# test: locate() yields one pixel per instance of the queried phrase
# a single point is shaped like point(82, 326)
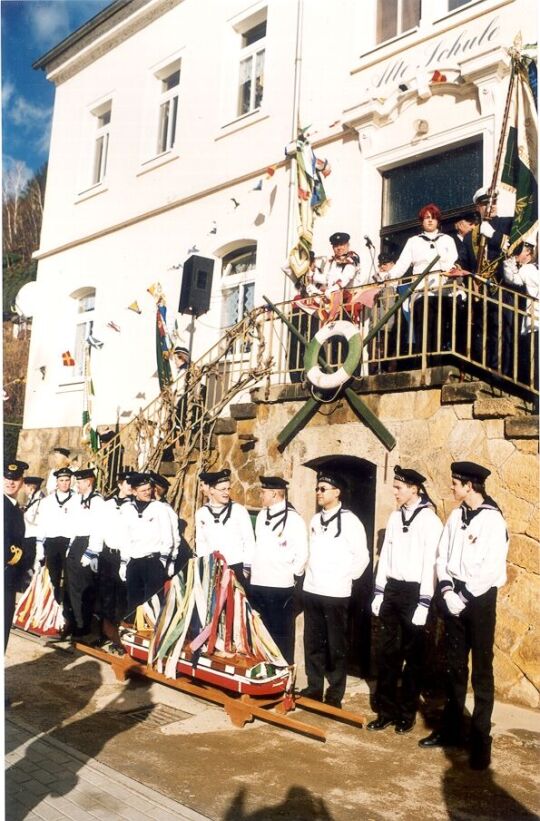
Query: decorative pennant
point(43, 370)
point(93, 342)
point(438, 77)
point(113, 326)
point(270, 171)
point(235, 202)
point(155, 290)
point(259, 186)
point(135, 307)
point(193, 249)
point(67, 359)
point(213, 229)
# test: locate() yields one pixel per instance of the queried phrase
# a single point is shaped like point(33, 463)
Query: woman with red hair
point(419, 251)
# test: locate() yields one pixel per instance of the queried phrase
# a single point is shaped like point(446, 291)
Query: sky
point(29, 28)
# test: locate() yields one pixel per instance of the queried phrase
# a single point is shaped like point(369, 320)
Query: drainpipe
point(292, 206)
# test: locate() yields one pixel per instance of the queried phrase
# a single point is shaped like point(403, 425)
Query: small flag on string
point(93, 342)
point(113, 326)
point(135, 307)
point(438, 77)
point(67, 359)
point(213, 228)
point(193, 249)
point(235, 202)
point(155, 290)
point(259, 186)
point(271, 170)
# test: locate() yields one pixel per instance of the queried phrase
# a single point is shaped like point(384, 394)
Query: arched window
point(238, 283)
point(85, 299)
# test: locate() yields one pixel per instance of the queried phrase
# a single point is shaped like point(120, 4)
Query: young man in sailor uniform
point(281, 551)
point(471, 565)
point(61, 457)
point(181, 550)
point(337, 555)
point(54, 531)
point(148, 544)
point(111, 587)
point(404, 587)
point(13, 539)
point(34, 495)
point(224, 525)
point(84, 549)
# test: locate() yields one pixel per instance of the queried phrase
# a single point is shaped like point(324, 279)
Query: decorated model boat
point(37, 610)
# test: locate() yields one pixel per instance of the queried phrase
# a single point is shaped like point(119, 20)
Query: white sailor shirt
point(108, 530)
point(473, 549)
point(145, 532)
point(86, 516)
point(338, 553)
point(31, 513)
point(281, 546)
point(56, 514)
point(173, 522)
point(409, 549)
point(227, 530)
point(420, 250)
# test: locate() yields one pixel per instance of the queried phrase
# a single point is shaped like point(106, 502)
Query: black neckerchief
point(32, 502)
point(283, 513)
point(86, 502)
point(431, 240)
point(120, 501)
point(468, 514)
point(68, 497)
point(406, 523)
point(326, 522)
point(225, 511)
point(140, 506)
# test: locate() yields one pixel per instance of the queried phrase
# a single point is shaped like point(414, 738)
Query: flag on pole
point(67, 359)
point(519, 172)
point(162, 348)
point(88, 434)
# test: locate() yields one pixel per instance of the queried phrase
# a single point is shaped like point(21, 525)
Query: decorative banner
point(89, 434)
point(67, 359)
point(135, 307)
point(162, 346)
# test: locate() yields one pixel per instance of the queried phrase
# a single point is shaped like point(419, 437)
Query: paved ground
point(187, 750)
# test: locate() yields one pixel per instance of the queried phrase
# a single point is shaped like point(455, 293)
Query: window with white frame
point(102, 116)
point(456, 4)
point(395, 17)
point(169, 79)
point(238, 284)
point(84, 324)
point(251, 72)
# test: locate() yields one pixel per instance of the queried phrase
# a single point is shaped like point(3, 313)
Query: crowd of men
point(107, 556)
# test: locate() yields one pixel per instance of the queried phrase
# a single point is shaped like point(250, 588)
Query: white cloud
point(8, 90)
point(49, 22)
point(25, 114)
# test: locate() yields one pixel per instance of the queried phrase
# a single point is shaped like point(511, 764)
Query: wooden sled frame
point(241, 709)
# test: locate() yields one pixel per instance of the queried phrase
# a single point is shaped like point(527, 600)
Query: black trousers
point(80, 587)
point(325, 643)
point(144, 578)
point(11, 581)
point(276, 606)
point(55, 560)
point(472, 631)
point(111, 598)
point(401, 652)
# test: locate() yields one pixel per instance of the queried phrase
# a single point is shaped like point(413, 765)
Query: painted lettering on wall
point(443, 51)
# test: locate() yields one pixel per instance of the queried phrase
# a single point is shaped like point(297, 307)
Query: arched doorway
point(360, 478)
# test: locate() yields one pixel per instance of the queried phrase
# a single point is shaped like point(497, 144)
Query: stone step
point(224, 426)
point(244, 410)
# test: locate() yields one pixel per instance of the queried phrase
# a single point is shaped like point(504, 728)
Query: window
point(84, 324)
point(456, 4)
point(102, 117)
point(169, 79)
point(251, 76)
point(447, 179)
point(395, 17)
point(238, 287)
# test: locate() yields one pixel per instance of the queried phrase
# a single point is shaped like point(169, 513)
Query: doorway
point(360, 478)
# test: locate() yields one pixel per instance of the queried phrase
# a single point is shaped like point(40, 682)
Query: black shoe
point(438, 739)
point(404, 725)
point(66, 632)
point(308, 692)
point(332, 702)
point(380, 723)
point(480, 756)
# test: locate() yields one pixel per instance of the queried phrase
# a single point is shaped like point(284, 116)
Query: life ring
point(329, 381)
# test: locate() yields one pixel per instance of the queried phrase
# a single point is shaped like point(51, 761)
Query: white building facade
point(169, 127)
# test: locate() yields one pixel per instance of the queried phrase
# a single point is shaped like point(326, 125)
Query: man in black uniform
point(13, 539)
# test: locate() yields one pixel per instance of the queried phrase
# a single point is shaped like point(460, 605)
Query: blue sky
point(29, 29)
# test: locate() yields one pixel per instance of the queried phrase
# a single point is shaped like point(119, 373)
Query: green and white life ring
point(329, 381)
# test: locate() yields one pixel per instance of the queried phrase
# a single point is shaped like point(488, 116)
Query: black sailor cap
point(469, 472)
point(15, 469)
point(273, 483)
point(408, 475)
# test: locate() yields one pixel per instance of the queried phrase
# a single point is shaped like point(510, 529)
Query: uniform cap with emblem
point(125, 476)
point(273, 483)
point(138, 479)
point(84, 473)
point(159, 480)
point(408, 475)
point(179, 350)
point(33, 480)
point(339, 238)
point(63, 472)
point(216, 477)
point(469, 472)
point(481, 197)
point(15, 469)
point(331, 479)
point(63, 451)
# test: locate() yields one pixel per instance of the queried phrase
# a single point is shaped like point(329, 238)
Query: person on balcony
point(485, 336)
point(279, 560)
point(224, 526)
point(338, 554)
point(521, 270)
point(404, 587)
point(428, 302)
point(471, 566)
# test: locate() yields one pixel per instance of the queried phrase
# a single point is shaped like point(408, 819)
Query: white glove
point(40, 554)
point(376, 604)
point(454, 603)
point(486, 229)
point(170, 568)
point(122, 570)
point(420, 615)
point(90, 559)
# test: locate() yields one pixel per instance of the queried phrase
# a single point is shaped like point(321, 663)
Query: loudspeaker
point(196, 285)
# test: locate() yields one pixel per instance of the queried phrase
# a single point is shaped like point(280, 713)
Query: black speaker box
point(196, 285)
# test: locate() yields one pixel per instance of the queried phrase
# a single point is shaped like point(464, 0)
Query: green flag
point(520, 168)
